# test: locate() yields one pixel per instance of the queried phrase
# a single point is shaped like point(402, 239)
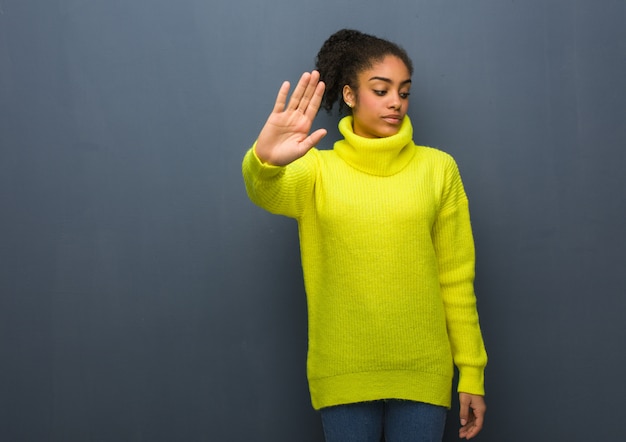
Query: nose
point(395, 101)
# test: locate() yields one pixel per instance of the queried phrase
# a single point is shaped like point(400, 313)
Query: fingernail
point(463, 422)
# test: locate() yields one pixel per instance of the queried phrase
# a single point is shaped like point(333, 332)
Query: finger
point(316, 100)
point(281, 97)
point(468, 431)
point(473, 427)
point(479, 418)
point(478, 424)
point(298, 92)
point(471, 433)
point(309, 92)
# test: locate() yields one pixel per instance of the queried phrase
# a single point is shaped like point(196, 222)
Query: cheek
point(367, 105)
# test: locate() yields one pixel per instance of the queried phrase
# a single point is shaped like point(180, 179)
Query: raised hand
point(285, 136)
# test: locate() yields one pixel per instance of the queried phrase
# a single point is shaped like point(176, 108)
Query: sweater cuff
point(472, 381)
point(260, 169)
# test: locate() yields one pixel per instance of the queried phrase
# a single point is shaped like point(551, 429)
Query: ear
point(349, 96)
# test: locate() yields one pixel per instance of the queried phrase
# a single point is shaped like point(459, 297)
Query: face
point(382, 98)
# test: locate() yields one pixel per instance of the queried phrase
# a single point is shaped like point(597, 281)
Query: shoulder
point(434, 154)
point(436, 158)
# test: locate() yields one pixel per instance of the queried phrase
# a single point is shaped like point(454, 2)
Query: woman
point(386, 245)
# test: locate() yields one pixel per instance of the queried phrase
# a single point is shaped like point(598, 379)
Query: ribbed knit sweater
point(388, 263)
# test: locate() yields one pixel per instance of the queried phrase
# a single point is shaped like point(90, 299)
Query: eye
point(379, 92)
point(404, 95)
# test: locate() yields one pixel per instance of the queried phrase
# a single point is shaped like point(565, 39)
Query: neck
point(376, 156)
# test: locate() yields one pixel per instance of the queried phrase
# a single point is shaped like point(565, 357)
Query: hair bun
point(346, 53)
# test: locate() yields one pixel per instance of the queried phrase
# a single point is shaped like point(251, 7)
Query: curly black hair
point(344, 55)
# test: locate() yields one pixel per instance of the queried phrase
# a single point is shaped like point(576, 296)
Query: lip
point(393, 119)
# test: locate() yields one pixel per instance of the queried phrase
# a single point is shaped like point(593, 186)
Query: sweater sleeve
point(282, 190)
point(454, 245)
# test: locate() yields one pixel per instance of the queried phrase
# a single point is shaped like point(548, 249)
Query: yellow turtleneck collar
point(376, 156)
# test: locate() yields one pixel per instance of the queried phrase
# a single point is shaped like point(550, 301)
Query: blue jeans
point(398, 421)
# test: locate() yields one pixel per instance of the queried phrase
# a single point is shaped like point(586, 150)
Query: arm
point(454, 244)
point(281, 190)
point(277, 172)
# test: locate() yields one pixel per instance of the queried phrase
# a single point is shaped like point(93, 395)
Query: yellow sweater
point(388, 261)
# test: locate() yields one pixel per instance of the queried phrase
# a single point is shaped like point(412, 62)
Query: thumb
point(464, 412)
point(313, 139)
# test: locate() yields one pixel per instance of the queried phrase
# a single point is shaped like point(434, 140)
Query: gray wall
point(144, 298)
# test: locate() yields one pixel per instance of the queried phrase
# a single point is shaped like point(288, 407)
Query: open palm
point(285, 135)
